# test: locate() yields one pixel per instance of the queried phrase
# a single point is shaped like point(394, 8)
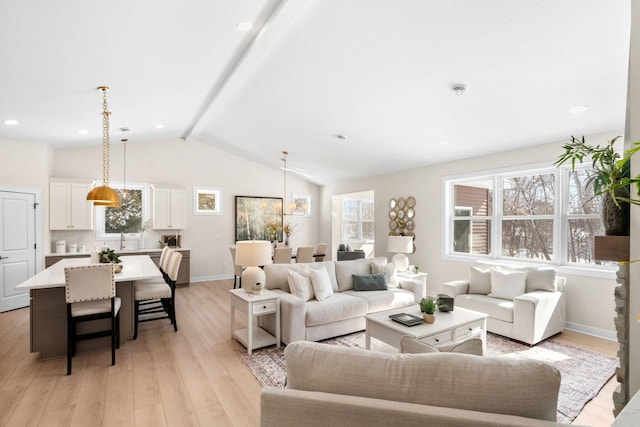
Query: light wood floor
point(193, 377)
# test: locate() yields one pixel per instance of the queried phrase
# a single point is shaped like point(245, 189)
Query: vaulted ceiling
point(377, 73)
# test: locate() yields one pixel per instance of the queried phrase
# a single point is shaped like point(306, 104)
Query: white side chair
point(304, 254)
point(282, 255)
point(157, 300)
point(90, 292)
point(321, 252)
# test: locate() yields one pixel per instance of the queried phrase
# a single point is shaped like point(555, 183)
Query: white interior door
point(17, 247)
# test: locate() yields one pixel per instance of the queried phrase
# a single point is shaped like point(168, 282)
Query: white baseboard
point(596, 332)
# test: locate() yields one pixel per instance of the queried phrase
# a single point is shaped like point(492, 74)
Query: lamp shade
point(104, 196)
point(400, 244)
point(252, 253)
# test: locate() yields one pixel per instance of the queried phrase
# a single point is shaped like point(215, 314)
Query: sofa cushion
point(321, 283)
point(500, 385)
point(339, 307)
point(507, 284)
point(300, 284)
point(369, 282)
point(385, 300)
point(495, 308)
point(479, 280)
point(542, 279)
point(345, 270)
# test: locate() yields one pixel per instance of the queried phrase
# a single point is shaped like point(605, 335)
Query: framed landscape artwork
point(207, 201)
point(258, 218)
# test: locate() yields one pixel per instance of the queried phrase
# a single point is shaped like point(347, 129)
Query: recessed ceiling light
point(341, 137)
point(124, 129)
point(458, 89)
point(244, 26)
point(83, 132)
point(578, 109)
point(443, 142)
point(159, 126)
point(10, 122)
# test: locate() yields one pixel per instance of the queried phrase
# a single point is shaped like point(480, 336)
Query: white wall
point(187, 164)
point(426, 185)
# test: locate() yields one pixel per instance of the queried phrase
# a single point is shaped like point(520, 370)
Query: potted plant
point(428, 307)
point(610, 178)
point(109, 255)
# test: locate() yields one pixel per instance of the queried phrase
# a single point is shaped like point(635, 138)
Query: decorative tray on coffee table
point(406, 319)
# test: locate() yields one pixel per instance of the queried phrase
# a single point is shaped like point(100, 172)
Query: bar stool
point(90, 293)
point(151, 298)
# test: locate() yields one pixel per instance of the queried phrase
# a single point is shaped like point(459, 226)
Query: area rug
point(584, 372)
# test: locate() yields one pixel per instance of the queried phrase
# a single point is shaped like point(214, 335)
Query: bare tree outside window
point(128, 217)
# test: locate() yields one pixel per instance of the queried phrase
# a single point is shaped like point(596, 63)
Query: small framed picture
point(173, 240)
point(207, 201)
point(301, 204)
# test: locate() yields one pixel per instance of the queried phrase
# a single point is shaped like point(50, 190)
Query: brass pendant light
point(104, 195)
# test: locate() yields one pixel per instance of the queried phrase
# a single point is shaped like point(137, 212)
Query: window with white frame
point(538, 215)
point(357, 220)
point(128, 218)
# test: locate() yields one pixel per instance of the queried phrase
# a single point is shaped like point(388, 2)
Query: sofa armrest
point(455, 287)
point(418, 287)
point(292, 314)
point(538, 315)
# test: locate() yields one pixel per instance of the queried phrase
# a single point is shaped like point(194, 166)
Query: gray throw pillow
point(369, 282)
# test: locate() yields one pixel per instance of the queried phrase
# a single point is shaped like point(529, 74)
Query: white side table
point(417, 276)
point(253, 306)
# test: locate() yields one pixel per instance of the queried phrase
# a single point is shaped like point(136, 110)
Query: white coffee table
point(449, 328)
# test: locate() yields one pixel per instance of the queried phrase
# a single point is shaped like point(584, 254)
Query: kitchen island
point(48, 311)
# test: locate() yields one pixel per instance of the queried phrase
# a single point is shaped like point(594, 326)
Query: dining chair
point(237, 269)
point(321, 251)
point(282, 255)
point(157, 300)
point(90, 293)
point(304, 254)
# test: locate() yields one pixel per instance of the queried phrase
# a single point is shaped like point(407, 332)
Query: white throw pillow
point(390, 273)
point(479, 280)
point(543, 279)
point(378, 266)
point(321, 283)
point(507, 284)
point(300, 284)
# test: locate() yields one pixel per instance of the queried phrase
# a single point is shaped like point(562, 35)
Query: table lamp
point(252, 254)
point(401, 245)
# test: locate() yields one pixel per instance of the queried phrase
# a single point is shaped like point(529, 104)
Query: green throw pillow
point(369, 282)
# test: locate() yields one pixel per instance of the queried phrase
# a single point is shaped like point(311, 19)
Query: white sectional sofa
point(343, 311)
point(523, 303)
point(331, 385)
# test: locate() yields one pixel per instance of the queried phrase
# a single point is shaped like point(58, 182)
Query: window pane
point(477, 196)
point(530, 239)
point(368, 230)
point(350, 210)
point(350, 230)
point(528, 195)
point(580, 241)
point(128, 217)
point(581, 200)
point(472, 237)
point(366, 211)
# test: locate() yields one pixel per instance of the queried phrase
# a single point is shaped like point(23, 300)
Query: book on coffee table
point(406, 319)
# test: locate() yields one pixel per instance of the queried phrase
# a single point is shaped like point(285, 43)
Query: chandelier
point(104, 195)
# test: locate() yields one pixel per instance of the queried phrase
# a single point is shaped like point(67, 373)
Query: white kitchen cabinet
point(69, 208)
point(169, 208)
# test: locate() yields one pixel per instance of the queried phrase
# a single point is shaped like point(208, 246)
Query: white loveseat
point(523, 303)
point(342, 312)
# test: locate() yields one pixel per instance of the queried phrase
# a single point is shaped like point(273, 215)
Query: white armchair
point(526, 304)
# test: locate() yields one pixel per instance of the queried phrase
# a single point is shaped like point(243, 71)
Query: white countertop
point(133, 268)
point(118, 251)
